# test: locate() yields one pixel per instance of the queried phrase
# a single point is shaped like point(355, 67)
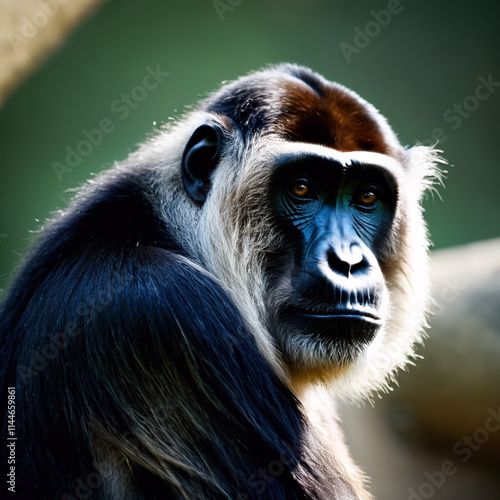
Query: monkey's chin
point(320, 347)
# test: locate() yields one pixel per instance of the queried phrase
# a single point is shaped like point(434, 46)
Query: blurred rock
point(456, 386)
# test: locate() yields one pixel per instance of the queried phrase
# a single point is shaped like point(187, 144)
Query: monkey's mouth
point(358, 325)
point(364, 314)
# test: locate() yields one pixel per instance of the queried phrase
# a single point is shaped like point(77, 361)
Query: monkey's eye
point(301, 188)
point(367, 199)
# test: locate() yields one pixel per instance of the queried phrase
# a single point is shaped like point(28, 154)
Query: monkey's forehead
point(300, 105)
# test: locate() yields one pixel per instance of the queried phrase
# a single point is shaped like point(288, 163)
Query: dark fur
point(129, 320)
point(138, 321)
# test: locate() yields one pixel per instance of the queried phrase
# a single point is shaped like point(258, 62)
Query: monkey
point(184, 327)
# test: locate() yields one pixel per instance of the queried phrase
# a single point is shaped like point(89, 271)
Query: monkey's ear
point(199, 160)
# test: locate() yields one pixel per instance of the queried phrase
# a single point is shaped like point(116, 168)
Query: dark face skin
point(336, 218)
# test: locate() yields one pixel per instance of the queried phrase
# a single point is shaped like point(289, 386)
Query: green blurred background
point(426, 60)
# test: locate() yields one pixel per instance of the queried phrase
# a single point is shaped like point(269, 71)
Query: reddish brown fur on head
point(300, 105)
point(332, 118)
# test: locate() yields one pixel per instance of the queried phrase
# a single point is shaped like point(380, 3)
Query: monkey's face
point(332, 214)
point(329, 296)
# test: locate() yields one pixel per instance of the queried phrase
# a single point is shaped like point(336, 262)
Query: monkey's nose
point(346, 260)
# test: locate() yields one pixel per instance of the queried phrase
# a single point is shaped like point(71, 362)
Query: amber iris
point(301, 189)
point(367, 199)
